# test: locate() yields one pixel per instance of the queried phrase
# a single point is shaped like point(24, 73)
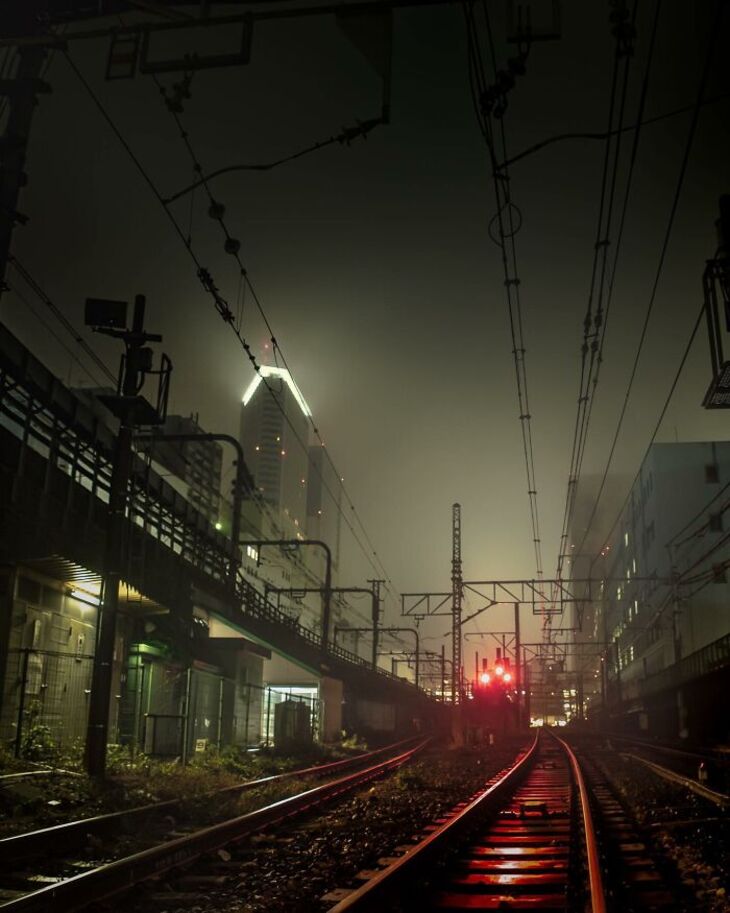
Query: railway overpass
point(55, 469)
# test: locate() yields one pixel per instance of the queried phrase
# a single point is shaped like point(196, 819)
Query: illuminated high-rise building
point(324, 494)
point(275, 440)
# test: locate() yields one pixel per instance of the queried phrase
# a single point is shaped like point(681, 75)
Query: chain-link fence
point(45, 701)
point(166, 710)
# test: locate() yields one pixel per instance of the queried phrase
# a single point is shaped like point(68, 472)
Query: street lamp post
point(398, 631)
point(243, 481)
point(327, 591)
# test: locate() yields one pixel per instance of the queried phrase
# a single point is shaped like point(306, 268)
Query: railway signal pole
point(132, 410)
point(457, 590)
point(376, 584)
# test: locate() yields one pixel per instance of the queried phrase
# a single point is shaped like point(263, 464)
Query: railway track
point(707, 768)
point(68, 882)
point(547, 834)
point(69, 836)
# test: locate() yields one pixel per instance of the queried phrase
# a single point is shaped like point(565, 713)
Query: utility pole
point(376, 584)
point(109, 318)
point(518, 676)
point(457, 590)
point(443, 671)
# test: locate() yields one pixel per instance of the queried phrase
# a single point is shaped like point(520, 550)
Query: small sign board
point(200, 745)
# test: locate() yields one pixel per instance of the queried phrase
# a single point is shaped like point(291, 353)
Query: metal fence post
point(219, 734)
point(268, 714)
point(185, 721)
point(248, 713)
point(21, 703)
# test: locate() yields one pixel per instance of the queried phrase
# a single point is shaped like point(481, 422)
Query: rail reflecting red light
point(514, 855)
point(593, 861)
point(431, 848)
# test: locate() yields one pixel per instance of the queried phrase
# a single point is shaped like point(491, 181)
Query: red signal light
point(499, 670)
point(507, 677)
point(485, 678)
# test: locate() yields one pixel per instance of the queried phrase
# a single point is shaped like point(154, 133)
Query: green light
point(219, 525)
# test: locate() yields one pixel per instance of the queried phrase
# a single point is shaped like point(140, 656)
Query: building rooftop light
point(272, 371)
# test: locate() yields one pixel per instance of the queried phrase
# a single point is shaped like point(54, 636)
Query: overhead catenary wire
point(595, 321)
point(204, 276)
point(659, 270)
point(64, 345)
point(660, 419)
point(233, 247)
point(681, 580)
point(645, 122)
point(696, 517)
point(506, 228)
point(622, 224)
point(63, 320)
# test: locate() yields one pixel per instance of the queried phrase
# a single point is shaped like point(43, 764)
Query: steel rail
point(98, 884)
point(372, 895)
point(713, 754)
point(721, 799)
point(59, 838)
point(595, 875)
point(41, 772)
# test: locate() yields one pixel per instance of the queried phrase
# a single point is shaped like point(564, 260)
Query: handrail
point(47, 419)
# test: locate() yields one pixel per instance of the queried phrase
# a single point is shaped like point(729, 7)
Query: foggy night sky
point(375, 269)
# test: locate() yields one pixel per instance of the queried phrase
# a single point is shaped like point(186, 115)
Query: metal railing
point(59, 449)
point(48, 420)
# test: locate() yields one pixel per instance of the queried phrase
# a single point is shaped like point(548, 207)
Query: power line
point(39, 317)
point(232, 246)
point(483, 102)
point(662, 257)
point(537, 147)
point(659, 421)
point(594, 324)
point(697, 516)
point(209, 285)
point(344, 138)
point(58, 314)
point(622, 223)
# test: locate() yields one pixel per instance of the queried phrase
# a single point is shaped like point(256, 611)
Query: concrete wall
point(331, 693)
